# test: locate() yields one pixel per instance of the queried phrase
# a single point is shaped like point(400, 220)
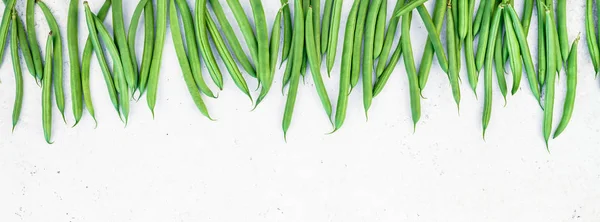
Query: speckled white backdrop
point(182, 167)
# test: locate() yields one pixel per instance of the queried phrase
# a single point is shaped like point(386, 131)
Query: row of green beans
point(309, 35)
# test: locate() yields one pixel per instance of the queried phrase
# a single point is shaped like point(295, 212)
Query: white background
point(182, 167)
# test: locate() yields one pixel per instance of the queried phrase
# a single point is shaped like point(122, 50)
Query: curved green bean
point(434, 37)
point(571, 89)
point(550, 75)
point(132, 33)
point(47, 91)
point(514, 52)
point(499, 63)
point(263, 66)
point(244, 26)
point(25, 49)
point(563, 33)
point(287, 31)
point(385, 76)
point(452, 42)
point(367, 76)
point(439, 12)
point(334, 31)
point(494, 31)
point(380, 29)
point(148, 47)
point(298, 49)
point(184, 62)
point(313, 58)
point(32, 38)
point(484, 35)
point(161, 31)
point(75, 71)
point(389, 40)
point(408, 7)
point(325, 29)
point(358, 41)
point(478, 17)
point(121, 40)
point(411, 70)
point(527, 14)
point(14, 51)
point(275, 43)
point(205, 49)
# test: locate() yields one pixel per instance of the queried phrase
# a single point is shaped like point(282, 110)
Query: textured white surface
point(182, 167)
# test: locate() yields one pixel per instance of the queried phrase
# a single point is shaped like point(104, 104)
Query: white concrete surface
point(182, 167)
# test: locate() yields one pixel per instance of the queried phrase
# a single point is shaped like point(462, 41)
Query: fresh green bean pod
point(288, 70)
point(334, 31)
point(32, 38)
point(385, 76)
point(263, 66)
point(563, 33)
point(451, 41)
point(327, 15)
point(411, 70)
point(4, 25)
point(571, 90)
point(121, 40)
point(558, 58)
point(408, 7)
point(550, 75)
point(590, 35)
point(57, 82)
point(342, 102)
point(484, 35)
point(287, 31)
point(297, 63)
point(47, 91)
point(313, 58)
point(230, 64)
point(316, 5)
point(494, 31)
point(514, 52)
point(232, 39)
point(434, 37)
point(389, 40)
point(86, 60)
point(439, 12)
point(205, 49)
point(478, 17)
point(14, 51)
point(75, 69)
point(541, 43)
point(93, 43)
point(275, 42)
point(527, 14)
point(25, 49)
point(244, 26)
point(472, 74)
point(148, 47)
point(132, 33)
point(380, 29)
point(358, 42)
point(499, 63)
point(184, 62)
point(367, 76)
point(464, 18)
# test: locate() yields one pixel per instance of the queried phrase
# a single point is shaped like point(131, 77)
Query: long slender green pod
point(541, 42)
point(563, 33)
point(297, 63)
point(315, 69)
point(525, 52)
point(316, 5)
point(385, 76)
point(344, 89)
point(75, 70)
point(434, 37)
point(132, 33)
point(159, 42)
point(275, 43)
point(121, 40)
point(25, 49)
point(192, 46)
point(514, 52)
point(263, 67)
point(425, 67)
point(380, 29)
point(47, 91)
point(571, 89)
point(232, 39)
point(389, 40)
point(287, 31)
point(93, 44)
point(57, 82)
point(5, 24)
point(184, 62)
point(327, 15)
point(148, 47)
point(478, 17)
point(489, 59)
point(367, 73)
point(411, 70)
point(451, 41)
point(244, 26)
point(334, 31)
point(550, 75)
point(358, 41)
point(482, 46)
point(32, 38)
point(14, 51)
point(205, 49)
point(230, 64)
point(499, 63)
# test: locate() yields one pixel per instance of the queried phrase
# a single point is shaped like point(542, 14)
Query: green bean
point(525, 52)
point(230, 64)
point(316, 5)
point(558, 58)
point(121, 40)
point(297, 60)
point(4, 25)
point(439, 12)
point(245, 27)
point(288, 70)
point(93, 43)
point(541, 43)
point(380, 29)
point(184, 62)
point(514, 52)
point(132, 33)
point(550, 75)
point(367, 76)
point(385, 76)
point(484, 35)
point(334, 31)
point(47, 91)
point(193, 54)
point(527, 13)
point(472, 74)
point(591, 36)
point(313, 58)
point(408, 7)
point(389, 40)
point(411, 70)
point(205, 49)
point(32, 38)
point(25, 49)
point(358, 41)
point(464, 18)
point(327, 15)
point(487, 107)
point(275, 43)
point(231, 38)
point(342, 102)
point(58, 59)
point(451, 42)
point(571, 89)
point(117, 63)
point(287, 31)
point(563, 33)
point(499, 63)
point(14, 49)
point(478, 17)
point(148, 47)
point(263, 66)
point(86, 60)
point(434, 37)
point(161, 31)
point(75, 71)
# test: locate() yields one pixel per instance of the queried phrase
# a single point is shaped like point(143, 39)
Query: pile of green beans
point(305, 37)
